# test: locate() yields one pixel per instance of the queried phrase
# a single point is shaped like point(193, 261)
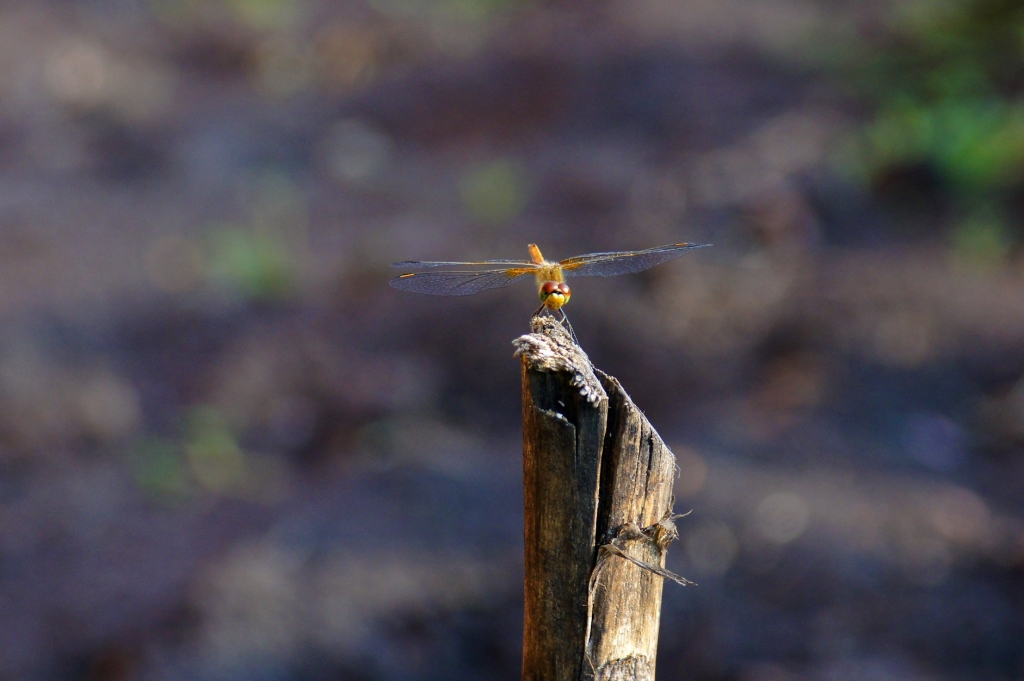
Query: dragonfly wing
point(624, 262)
point(418, 264)
point(458, 283)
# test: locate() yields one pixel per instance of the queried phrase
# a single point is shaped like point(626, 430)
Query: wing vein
point(457, 282)
point(611, 264)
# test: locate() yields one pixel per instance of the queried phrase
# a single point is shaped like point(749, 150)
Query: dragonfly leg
point(564, 321)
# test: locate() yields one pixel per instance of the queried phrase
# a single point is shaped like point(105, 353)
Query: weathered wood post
point(598, 500)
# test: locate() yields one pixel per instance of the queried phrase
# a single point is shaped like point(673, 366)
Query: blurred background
point(229, 451)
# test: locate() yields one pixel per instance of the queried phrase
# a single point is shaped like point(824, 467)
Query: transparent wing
point(458, 283)
point(623, 262)
point(417, 264)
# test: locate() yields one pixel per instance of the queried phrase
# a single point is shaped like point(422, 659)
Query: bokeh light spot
point(782, 517)
point(935, 441)
point(712, 547)
point(962, 517)
point(346, 55)
point(77, 73)
point(109, 407)
point(354, 150)
point(214, 455)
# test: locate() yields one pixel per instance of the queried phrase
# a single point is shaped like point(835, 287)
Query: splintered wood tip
point(551, 348)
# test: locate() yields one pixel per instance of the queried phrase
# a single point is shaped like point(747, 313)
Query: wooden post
point(598, 500)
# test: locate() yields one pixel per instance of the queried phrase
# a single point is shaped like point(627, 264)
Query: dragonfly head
point(554, 294)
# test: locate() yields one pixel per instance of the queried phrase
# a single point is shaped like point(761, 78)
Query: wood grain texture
point(635, 504)
point(563, 437)
point(598, 501)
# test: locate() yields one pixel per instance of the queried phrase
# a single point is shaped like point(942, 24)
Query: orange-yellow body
point(554, 292)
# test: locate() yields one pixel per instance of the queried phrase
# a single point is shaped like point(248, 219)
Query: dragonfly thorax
point(554, 294)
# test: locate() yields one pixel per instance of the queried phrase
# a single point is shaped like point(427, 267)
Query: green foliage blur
point(494, 193)
point(283, 14)
point(204, 457)
point(255, 263)
point(947, 83)
point(259, 258)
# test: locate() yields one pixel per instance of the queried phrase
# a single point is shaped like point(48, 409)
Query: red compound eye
point(563, 288)
point(550, 287)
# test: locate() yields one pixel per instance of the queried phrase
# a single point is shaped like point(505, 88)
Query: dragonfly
point(550, 276)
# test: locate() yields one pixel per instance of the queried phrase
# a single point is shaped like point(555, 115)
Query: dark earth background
point(229, 451)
